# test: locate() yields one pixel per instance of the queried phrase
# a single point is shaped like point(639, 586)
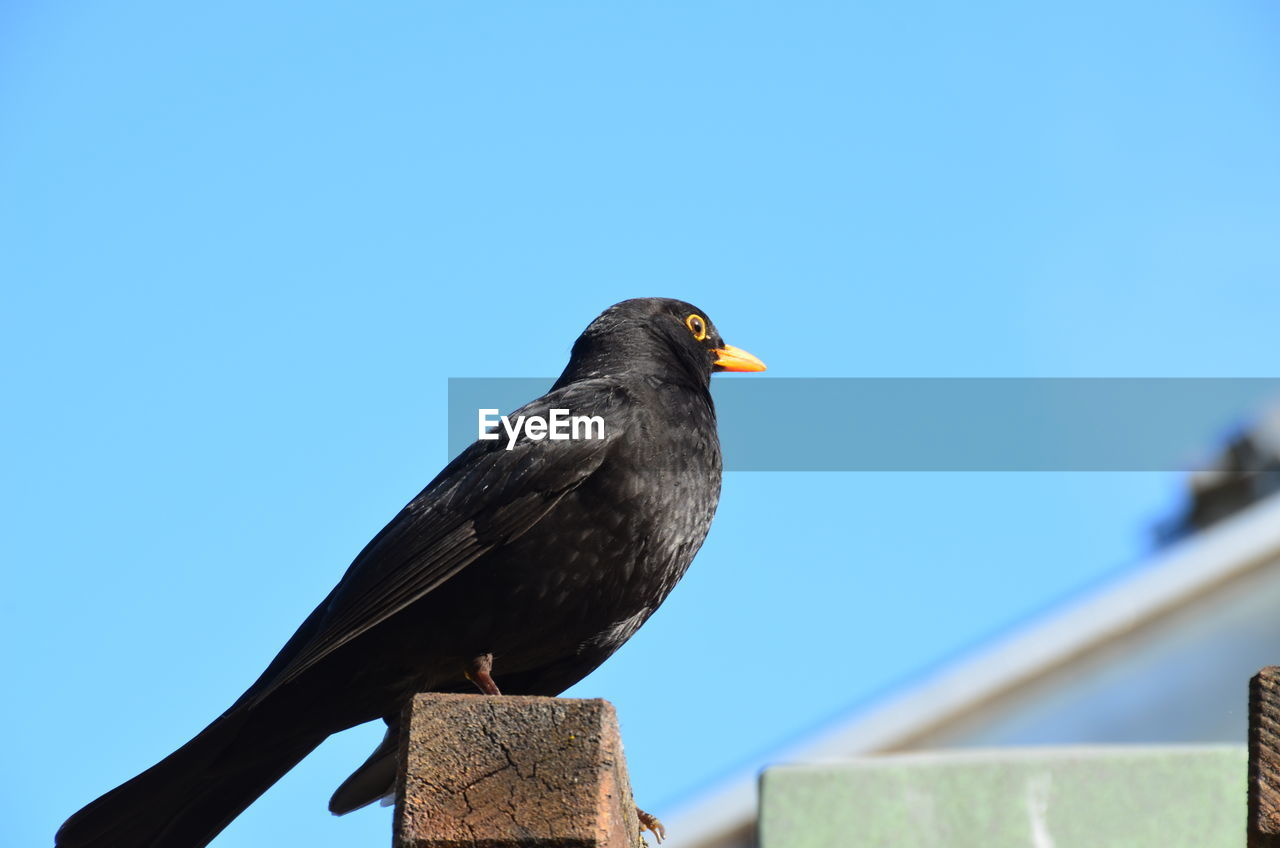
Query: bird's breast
point(607, 554)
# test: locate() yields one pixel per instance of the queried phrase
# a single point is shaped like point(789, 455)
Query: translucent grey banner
point(947, 424)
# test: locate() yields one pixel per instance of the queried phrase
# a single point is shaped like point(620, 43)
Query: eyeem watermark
point(946, 423)
point(560, 425)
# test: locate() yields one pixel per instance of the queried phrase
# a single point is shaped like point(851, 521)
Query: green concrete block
point(1108, 797)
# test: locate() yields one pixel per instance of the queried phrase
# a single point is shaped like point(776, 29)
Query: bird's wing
point(486, 497)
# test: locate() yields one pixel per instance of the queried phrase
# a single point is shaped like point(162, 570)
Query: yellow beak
point(732, 358)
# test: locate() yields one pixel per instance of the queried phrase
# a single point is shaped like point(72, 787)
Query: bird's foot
point(650, 823)
point(478, 673)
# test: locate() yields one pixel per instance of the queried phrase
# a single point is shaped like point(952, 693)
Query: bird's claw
point(651, 824)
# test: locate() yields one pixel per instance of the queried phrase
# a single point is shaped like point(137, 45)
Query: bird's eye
point(696, 326)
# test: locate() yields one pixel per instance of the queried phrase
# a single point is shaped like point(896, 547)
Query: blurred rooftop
point(1160, 654)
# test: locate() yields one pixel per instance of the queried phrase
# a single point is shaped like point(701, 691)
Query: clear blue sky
point(243, 245)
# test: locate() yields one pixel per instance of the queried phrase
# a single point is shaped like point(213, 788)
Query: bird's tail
point(375, 780)
point(187, 798)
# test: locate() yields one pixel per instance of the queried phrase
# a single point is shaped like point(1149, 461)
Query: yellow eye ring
point(697, 326)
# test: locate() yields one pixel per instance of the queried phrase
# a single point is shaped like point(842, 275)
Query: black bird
point(531, 565)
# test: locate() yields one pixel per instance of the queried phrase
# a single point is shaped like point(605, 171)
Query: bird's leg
point(651, 823)
point(478, 673)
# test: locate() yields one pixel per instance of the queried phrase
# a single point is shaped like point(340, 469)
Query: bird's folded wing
point(486, 497)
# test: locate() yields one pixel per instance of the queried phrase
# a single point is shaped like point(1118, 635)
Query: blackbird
point(528, 562)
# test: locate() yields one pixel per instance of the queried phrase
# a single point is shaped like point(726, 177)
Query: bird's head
point(659, 336)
